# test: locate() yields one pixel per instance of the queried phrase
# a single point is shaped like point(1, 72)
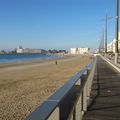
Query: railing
point(70, 101)
point(111, 57)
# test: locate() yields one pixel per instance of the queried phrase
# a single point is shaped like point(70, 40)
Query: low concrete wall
point(111, 63)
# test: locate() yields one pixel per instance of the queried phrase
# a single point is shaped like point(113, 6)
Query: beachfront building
point(74, 51)
point(111, 45)
point(83, 50)
point(19, 49)
point(29, 50)
point(79, 50)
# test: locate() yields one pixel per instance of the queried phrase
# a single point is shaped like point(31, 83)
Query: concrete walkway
point(105, 95)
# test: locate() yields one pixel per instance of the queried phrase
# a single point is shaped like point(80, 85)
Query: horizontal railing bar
point(44, 111)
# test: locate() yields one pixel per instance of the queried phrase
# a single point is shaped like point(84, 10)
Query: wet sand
point(24, 86)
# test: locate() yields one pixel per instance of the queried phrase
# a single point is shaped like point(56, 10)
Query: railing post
point(84, 95)
point(87, 85)
point(84, 99)
point(74, 114)
point(79, 109)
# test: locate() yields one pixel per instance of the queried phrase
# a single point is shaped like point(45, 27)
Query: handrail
point(44, 111)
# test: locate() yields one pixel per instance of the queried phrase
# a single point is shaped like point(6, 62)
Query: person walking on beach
point(56, 62)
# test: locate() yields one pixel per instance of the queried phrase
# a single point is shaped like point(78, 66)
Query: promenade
point(105, 94)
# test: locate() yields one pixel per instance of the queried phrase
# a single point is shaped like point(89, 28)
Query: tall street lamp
point(117, 29)
point(106, 25)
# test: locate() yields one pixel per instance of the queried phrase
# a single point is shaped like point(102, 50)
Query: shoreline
point(12, 58)
point(19, 63)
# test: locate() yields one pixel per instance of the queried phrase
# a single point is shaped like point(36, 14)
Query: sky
point(55, 24)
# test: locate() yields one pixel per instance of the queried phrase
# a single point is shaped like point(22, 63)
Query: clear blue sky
point(58, 24)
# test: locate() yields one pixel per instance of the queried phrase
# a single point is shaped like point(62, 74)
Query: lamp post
point(106, 25)
point(106, 19)
point(102, 43)
point(117, 29)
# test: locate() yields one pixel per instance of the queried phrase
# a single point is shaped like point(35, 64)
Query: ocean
point(5, 58)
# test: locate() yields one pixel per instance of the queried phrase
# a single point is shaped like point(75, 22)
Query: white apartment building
point(74, 51)
point(20, 49)
point(111, 46)
point(79, 50)
point(83, 50)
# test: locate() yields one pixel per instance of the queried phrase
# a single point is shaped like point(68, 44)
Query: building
point(29, 50)
point(19, 49)
point(74, 51)
point(111, 46)
point(83, 50)
point(79, 50)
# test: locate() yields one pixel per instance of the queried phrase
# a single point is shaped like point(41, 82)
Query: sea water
point(5, 58)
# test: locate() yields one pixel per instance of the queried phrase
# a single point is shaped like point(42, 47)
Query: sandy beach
point(24, 86)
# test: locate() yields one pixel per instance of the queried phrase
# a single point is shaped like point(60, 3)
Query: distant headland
point(21, 50)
